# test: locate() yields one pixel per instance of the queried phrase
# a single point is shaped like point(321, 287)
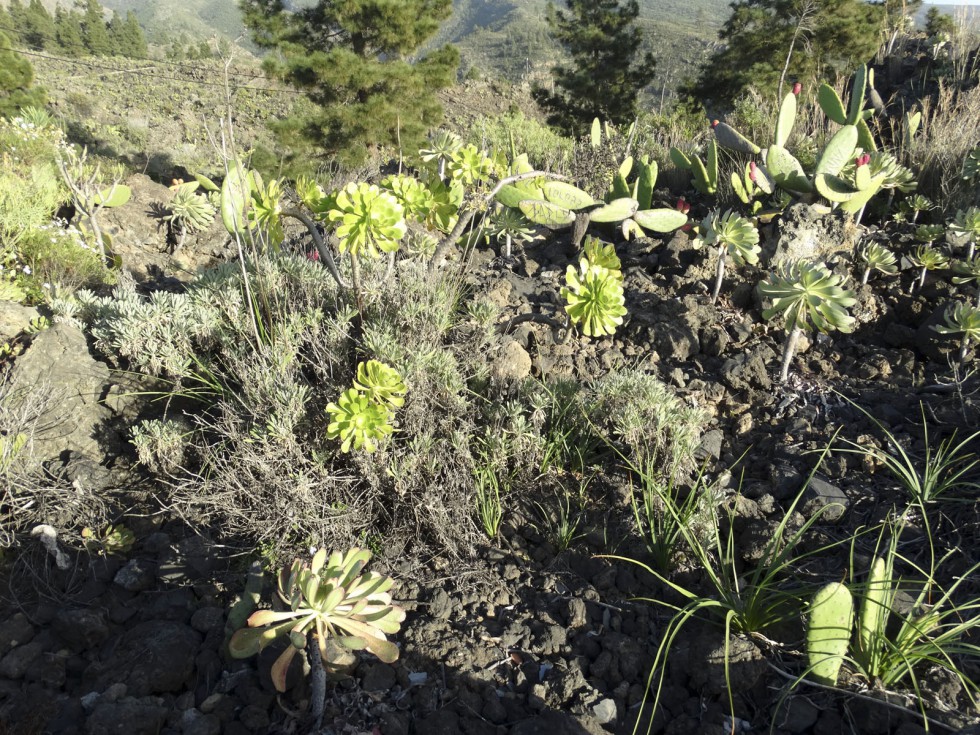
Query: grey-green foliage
point(651, 421)
point(202, 339)
point(160, 444)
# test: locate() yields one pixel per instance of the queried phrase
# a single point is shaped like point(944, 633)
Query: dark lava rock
point(137, 575)
point(748, 370)
point(820, 494)
point(15, 631)
point(128, 717)
point(557, 723)
point(152, 657)
point(80, 629)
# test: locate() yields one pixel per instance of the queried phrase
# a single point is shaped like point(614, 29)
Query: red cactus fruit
point(797, 88)
point(863, 160)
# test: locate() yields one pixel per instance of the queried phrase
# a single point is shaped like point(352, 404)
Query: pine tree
point(94, 31)
point(939, 23)
point(16, 76)
point(40, 32)
point(604, 78)
point(137, 40)
point(126, 36)
point(19, 24)
point(351, 60)
point(68, 32)
point(828, 38)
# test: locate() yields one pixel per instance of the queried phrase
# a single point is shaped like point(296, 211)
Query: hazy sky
point(960, 2)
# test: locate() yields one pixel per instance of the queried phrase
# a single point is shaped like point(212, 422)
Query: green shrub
point(30, 188)
point(258, 458)
point(545, 148)
point(60, 256)
point(652, 423)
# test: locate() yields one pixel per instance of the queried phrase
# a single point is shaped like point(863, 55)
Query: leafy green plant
point(928, 259)
point(188, 211)
point(734, 237)
point(509, 225)
point(968, 271)
point(962, 318)
point(357, 421)
point(381, 384)
point(928, 234)
point(113, 540)
point(917, 204)
point(705, 173)
point(877, 258)
point(748, 601)
point(368, 220)
point(442, 146)
point(808, 296)
point(327, 608)
point(489, 508)
point(470, 165)
point(594, 298)
point(966, 226)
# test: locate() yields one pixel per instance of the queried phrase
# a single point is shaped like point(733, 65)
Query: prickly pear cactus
point(829, 626)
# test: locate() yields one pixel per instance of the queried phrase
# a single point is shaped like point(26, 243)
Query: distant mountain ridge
point(496, 37)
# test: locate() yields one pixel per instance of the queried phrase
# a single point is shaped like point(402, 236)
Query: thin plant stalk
point(788, 351)
point(719, 272)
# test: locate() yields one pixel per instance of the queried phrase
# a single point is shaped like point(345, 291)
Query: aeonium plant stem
point(791, 339)
point(964, 346)
point(719, 272)
point(867, 274)
point(318, 682)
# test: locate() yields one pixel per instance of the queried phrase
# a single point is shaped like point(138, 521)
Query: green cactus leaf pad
point(660, 220)
point(728, 137)
point(566, 195)
point(645, 183)
point(786, 119)
point(828, 633)
point(831, 104)
point(680, 159)
point(834, 188)
point(512, 195)
point(546, 214)
point(839, 151)
point(616, 211)
point(786, 171)
point(114, 196)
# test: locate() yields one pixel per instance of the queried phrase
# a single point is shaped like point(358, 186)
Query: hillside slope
point(506, 38)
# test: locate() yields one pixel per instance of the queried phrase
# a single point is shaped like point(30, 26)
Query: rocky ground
point(527, 638)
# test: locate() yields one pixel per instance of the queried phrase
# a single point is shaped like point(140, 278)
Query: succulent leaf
point(566, 195)
point(831, 104)
point(809, 296)
point(786, 120)
point(829, 624)
point(594, 298)
point(616, 211)
point(546, 214)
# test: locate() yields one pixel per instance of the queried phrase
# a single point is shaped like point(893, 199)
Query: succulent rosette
point(357, 421)
point(368, 219)
point(594, 298)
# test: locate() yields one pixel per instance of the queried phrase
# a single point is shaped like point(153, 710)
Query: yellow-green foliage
point(61, 256)
point(30, 188)
point(544, 147)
